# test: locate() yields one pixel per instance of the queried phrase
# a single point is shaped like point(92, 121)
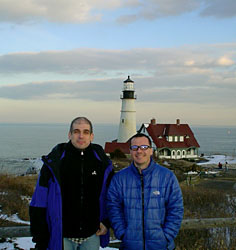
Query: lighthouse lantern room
point(127, 127)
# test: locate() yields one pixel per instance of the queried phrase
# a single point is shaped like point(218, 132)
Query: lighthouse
point(127, 127)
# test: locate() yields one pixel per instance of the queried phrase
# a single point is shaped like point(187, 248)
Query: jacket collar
point(76, 151)
point(145, 171)
point(54, 159)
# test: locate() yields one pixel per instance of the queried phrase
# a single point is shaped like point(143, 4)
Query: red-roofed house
point(173, 141)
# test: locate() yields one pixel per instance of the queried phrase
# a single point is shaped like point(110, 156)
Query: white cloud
point(100, 62)
point(18, 11)
point(81, 11)
point(54, 10)
point(225, 61)
point(189, 63)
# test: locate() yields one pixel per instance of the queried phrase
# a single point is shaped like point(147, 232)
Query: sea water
point(22, 144)
point(216, 140)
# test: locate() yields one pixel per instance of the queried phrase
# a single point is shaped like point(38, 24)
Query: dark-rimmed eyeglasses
point(142, 147)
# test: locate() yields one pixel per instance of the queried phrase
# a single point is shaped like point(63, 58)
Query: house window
point(176, 138)
point(181, 138)
point(170, 138)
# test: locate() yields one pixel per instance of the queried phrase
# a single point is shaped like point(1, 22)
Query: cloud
point(164, 89)
point(225, 61)
point(189, 63)
point(65, 62)
point(219, 8)
point(95, 90)
point(100, 62)
point(192, 74)
point(81, 11)
point(54, 10)
point(155, 9)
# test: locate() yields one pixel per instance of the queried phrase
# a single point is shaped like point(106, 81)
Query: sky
point(60, 59)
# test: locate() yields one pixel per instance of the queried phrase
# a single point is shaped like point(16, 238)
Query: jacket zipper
point(142, 184)
point(82, 185)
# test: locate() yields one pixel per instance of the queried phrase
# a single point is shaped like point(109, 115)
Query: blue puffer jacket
point(145, 209)
point(46, 203)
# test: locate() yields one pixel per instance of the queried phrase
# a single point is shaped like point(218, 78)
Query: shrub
point(117, 154)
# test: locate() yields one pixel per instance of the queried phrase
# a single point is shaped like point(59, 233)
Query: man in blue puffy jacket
point(144, 201)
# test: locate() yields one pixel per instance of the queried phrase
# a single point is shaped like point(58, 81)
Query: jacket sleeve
point(174, 209)
point(38, 211)
point(115, 207)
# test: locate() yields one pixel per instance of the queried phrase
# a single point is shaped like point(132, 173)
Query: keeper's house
point(171, 141)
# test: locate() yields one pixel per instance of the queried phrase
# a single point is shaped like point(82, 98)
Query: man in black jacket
point(68, 205)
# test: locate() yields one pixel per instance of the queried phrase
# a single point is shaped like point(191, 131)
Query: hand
point(102, 230)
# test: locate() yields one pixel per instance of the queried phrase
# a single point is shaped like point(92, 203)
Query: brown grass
point(12, 191)
point(200, 202)
point(20, 184)
point(204, 240)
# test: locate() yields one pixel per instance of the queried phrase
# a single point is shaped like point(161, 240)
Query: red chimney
point(153, 121)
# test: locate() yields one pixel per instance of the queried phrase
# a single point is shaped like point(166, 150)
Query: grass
point(13, 193)
point(200, 202)
point(21, 184)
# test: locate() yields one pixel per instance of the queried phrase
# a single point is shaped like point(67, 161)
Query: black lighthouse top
point(128, 80)
point(128, 89)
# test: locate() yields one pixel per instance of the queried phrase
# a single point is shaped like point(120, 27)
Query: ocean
point(21, 145)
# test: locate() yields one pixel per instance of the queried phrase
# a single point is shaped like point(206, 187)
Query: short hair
point(140, 135)
point(78, 119)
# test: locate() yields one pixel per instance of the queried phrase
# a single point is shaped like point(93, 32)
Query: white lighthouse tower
point(127, 127)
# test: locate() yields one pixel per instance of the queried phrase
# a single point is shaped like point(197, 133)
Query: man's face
point(140, 157)
point(80, 136)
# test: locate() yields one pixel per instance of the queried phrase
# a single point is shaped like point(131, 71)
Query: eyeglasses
point(142, 147)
